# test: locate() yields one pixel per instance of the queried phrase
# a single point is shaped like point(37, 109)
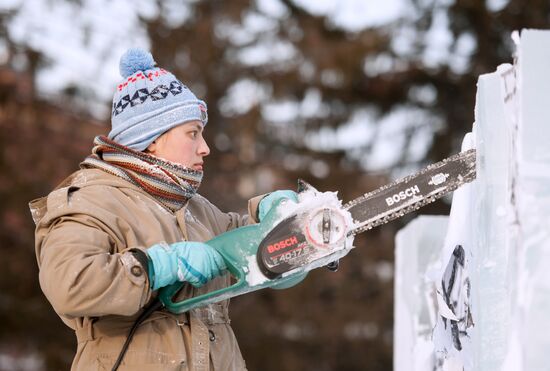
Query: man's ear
point(152, 147)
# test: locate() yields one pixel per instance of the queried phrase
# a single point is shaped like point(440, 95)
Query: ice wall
point(530, 342)
point(417, 250)
point(492, 210)
point(454, 331)
point(492, 278)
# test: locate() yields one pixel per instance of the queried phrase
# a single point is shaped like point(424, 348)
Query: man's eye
point(194, 134)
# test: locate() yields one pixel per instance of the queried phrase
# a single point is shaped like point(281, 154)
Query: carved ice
point(490, 292)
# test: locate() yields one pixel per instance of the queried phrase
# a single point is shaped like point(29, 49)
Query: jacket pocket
point(143, 360)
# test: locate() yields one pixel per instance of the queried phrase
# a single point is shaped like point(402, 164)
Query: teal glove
point(193, 262)
point(268, 201)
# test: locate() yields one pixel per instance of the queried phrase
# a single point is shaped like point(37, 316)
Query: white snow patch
point(254, 276)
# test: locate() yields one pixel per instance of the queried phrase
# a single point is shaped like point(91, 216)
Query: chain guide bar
point(410, 193)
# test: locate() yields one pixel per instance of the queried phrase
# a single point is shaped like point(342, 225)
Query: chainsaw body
point(292, 239)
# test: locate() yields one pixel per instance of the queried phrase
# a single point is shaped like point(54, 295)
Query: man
point(129, 222)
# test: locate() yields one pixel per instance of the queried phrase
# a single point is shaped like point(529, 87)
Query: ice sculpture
point(529, 340)
point(417, 250)
point(492, 283)
point(454, 326)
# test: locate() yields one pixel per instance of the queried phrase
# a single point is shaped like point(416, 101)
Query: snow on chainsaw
point(307, 235)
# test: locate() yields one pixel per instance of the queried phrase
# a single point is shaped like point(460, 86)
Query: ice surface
point(417, 250)
point(493, 280)
point(491, 197)
point(534, 131)
point(454, 330)
point(530, 321)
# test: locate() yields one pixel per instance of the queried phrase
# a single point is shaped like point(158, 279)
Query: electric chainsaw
point(295, 238)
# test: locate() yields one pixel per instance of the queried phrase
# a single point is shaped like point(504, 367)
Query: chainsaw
point(295, 238)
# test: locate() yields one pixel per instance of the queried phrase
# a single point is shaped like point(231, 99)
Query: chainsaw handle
point(234, 265)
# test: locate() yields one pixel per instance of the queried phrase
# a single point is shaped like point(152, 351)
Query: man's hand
point(268, 201)
point(193, 262)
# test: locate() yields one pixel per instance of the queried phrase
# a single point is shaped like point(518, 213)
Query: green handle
point(236, 247)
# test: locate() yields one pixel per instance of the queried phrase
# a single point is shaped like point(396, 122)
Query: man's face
point(183, 145)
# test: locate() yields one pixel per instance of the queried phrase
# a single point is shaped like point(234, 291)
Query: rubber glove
point(193, 262)
point(268, 201)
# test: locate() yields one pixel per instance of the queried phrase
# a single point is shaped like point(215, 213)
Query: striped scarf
point(169, 183)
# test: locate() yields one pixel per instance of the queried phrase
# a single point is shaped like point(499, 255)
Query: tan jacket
point(84, 231)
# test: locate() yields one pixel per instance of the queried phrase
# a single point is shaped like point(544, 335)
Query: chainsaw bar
point(408, 194)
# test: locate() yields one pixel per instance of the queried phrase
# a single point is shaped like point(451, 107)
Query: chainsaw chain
point(466, 155)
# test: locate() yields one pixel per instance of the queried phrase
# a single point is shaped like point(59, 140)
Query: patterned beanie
point(149, 102)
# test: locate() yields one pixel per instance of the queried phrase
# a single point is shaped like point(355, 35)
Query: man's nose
point(204, 150)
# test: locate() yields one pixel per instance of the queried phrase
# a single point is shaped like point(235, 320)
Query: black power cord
point(155, 305)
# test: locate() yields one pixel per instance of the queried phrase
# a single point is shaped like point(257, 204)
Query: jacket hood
point(79, 179)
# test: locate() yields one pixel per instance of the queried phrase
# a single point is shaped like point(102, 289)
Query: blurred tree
point(292, 93)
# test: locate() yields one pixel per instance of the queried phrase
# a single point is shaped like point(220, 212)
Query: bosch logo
point(409, 192)
point(291, 241)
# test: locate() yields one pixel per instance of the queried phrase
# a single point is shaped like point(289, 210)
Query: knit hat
point(149, 102)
